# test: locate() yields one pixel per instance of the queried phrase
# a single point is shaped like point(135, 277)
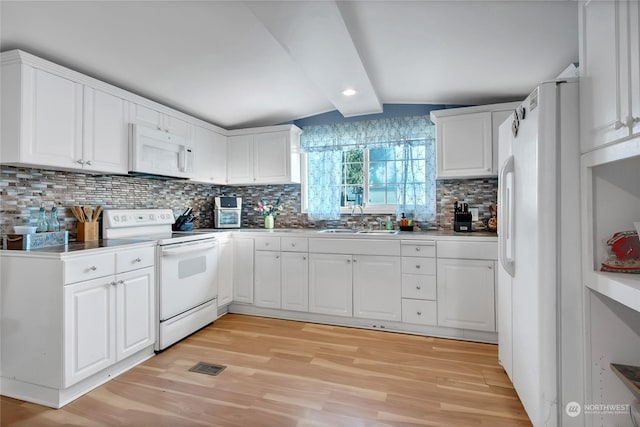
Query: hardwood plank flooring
point(283, 373)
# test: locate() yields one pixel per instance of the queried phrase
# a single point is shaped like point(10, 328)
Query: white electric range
point(186, 269)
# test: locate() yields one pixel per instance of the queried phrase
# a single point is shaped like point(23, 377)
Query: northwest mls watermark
point(573, 409)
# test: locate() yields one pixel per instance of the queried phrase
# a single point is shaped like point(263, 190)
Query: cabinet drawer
point(422, 249)
point(294, 244)
point(264, 243)
point(418, 265)
point(419, 311)
point(419, 287)
point(89, 267)
point(132, 259)
point(468, 250)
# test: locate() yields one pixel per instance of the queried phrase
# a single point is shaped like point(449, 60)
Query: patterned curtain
point(407, 135)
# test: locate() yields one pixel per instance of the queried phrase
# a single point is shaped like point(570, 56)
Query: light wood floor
point(282, 373)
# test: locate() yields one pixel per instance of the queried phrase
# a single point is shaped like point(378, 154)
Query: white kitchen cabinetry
point(609, 72)
point(210, 163)
point(267, 279)
point(269, 155)
point(419, 293)
point(295, 273)
point(466, 144)
point(79, 320)
point(377, 292)
point(106, 134)
point(149, 117)
point(466, 297)
point(243, 269)
point(225, 270)
point(330, 284)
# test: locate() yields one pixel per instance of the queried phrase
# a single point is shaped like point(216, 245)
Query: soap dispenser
point(54, 223)
point(389, 224)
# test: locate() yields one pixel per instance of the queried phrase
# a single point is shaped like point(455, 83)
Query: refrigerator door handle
point(506, 219)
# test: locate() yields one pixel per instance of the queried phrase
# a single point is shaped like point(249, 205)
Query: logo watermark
point(573, 409)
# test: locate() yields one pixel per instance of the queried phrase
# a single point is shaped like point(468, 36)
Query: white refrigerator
point(539, 286)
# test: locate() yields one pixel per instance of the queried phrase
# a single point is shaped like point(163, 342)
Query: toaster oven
point(227, 212)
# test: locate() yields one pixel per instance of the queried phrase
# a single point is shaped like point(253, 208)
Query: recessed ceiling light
point(349, 92)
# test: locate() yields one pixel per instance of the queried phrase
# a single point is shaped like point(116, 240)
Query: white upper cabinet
point(466, 144)
point(610, 72)
point(105, 132)
point(210, 165)
point(268, 155)
point(149, 117)
point(41, 117)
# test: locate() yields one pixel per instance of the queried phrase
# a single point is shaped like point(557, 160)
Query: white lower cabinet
point(267, 279)
point(377, 290)
point(330, 284)
point(295, 281)
point(107, 320)
point(243, 269)
point(225, 271)
point(466, 296)
point(420, 312)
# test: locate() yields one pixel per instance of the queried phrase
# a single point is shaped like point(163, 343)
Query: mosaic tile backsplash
point(24, 190)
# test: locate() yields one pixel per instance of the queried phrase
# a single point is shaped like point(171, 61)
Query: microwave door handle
point(182, 158)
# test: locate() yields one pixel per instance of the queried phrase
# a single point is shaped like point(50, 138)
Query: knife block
point(87, 231)
point(462, 222)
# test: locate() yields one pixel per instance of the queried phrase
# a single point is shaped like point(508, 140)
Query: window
point(372, 177)
point(385, 165)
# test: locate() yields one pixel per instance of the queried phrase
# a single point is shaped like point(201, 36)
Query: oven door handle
point(183, 249)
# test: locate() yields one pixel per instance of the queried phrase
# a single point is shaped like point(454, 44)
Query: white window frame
point(367, 208)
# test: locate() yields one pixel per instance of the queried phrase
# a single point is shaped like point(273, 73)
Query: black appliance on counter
point(462, 218)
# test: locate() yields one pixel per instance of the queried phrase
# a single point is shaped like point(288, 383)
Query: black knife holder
point(462, 221)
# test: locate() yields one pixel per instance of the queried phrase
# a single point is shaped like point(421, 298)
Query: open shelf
point(620, 287)
point(630, 376)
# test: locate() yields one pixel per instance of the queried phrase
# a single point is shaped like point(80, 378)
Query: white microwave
point(154, 152)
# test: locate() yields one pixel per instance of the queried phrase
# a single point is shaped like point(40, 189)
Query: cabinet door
point(225, 271)
point(146, 116)
point(135, 312)
point(295, 281)
point(464, 146)
point(634, 63)
point(176, 126)
point(52, 120)
point(271, 158)
point(377, 287)
point(210, 165)
point(89, 328)
point(106, 134)
point(243, 270)
point(267, 279)
point(330, 284)
point(240, 159)
point(605, 83)
point(466, 294)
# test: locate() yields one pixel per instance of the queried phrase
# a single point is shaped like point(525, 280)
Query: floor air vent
point(207, 368)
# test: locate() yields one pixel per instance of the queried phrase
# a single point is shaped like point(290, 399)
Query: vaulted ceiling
point(239, 64)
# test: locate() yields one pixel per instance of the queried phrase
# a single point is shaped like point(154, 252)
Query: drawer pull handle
point(417, 249)
point(113, 283)
point(137, 260)
point(417, 266)
point(266, 244)
point(277, 256)
point(418, 287)
point(120, 282)
point(293, 245)
point(304, 257)
point(349, 261)
point(354, 260)
point(93, 268)
point(419, 313)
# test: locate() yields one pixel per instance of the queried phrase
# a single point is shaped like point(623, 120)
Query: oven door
point(188, 276)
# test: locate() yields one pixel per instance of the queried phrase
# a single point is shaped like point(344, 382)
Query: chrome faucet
point(353, 213)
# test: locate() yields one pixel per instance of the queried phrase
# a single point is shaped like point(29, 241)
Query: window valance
point(368, 133)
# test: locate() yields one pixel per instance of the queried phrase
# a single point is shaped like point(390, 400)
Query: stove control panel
point(119, 218)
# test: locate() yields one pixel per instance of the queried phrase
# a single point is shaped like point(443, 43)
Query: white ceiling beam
point(314, 34)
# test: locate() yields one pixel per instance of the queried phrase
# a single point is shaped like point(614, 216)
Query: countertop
point(75, 248)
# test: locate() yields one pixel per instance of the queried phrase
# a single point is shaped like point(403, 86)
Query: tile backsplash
point(24, 190)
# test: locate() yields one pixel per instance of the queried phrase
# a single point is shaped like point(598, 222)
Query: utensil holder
point(87, 231)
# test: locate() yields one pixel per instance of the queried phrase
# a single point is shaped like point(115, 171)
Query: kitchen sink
point(338, 231)
point(379, 231)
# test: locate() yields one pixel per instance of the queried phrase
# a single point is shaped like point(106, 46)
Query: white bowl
point(24, 229)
